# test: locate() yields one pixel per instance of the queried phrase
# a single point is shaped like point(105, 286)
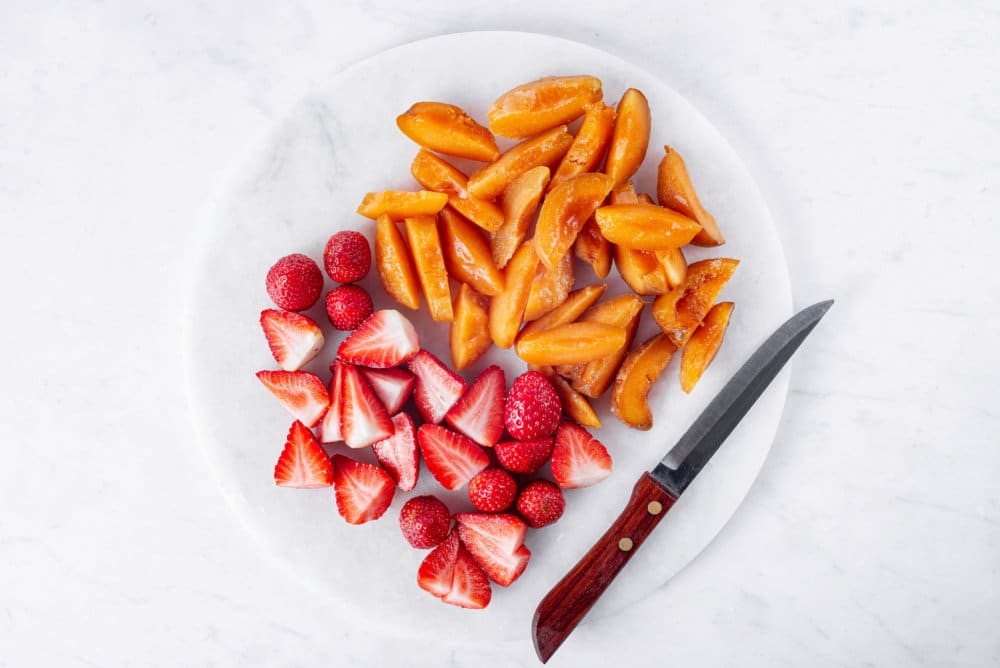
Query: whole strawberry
point(540, 503)
point(523, 456)
point(533, 409)
point(424, 521)
point(348, 306)
point(347, 257)
point(295, 282)
point(492, 490)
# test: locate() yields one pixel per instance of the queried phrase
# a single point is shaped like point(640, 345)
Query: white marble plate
point(303, 182)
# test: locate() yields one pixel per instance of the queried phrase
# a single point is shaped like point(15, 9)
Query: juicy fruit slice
point(675, 191)
point(519, 204)
point(540, 503)
point(635, 377)
point(384, 340)
point(578, 459)
point(630, 137)
point(392, 386)
point(301, 392)
point(451, 458)
point(424, 521)
point(470, 588)
point(293, 338)
point(447, 129)
point(545, 149)
point(524, 456)
point(294, 282)
point(532, 410)
point(398, 454)
point(433, 173)
point(645, 226)
point(575, 304)
point(681, 310)
point(399, 204)
point(469, 337)
point(479, 412)
point(550, 288)
point(437, 570)
point(641, 270)
point(575, 404)
point(425, 248)
point(573, 343)
point(303, 464)
point(437, 387)
point(539, 105)
point(363, 491)
point(704, 344)
point(564, 211)
point(507, 308)
point(363, 418)
point(674, 265)
point(589, 145)
point(329, 427)
point(492, 490)
point(591, 247)
point(467, 254)
point(395, 268)
point(496, 542)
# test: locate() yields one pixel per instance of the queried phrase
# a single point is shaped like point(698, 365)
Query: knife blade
point(657, 491)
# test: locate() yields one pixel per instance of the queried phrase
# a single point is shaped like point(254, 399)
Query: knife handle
point(563, 607)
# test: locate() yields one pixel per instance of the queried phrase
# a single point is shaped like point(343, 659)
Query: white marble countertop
point(872, 536)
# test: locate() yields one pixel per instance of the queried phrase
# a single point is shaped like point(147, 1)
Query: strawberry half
point(578, 459)
point(393, 386)
point(329, 428)
point(398, 454)
point(496, 542)
point(437, 570)
point(363, 491)
point(437, 388)
point(293, 338)
point(479, 412)
point(470, 588)
point(363, 418)
point(385, 339)
point(301, 392)
point(303, 464)
point(450, 457)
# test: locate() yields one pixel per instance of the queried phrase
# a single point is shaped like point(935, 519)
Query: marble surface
point(871, 537)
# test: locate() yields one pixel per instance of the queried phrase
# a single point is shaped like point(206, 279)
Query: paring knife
point(656, 491)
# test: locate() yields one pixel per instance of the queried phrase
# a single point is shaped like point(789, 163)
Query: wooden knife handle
point(563, 608)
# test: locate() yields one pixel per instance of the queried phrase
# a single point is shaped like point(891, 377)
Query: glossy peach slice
point(507, 308)
point(467, 254)
point(629, 397)
point(545, 149)
point(589, 144)
point(704, 344)
point(641, 270)
point(573, 343)
point(624, 193)
point(470, 330)
point(399, 204)
point(576, 303)
point(680, 311)
point(395, 268)
point(675, 191)
point(630, 137)
point(591, 247)
point(564, 211)
point(575, 404)
point(674, 265)
point(425, 248)
point(550, 288)
point(645, 226)
point(543, 104)
point(447, 129)
point(437, 174)
point(519, 204)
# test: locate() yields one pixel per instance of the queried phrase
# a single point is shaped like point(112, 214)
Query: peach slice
point(564, 211)
point(674, 265)
point(575, 404)
point(543, 104)
point(447, 129)
point(519, 204)
point(641, 270)
point(470, 330)
point(467, 253)
point(589, 145)
point(507, 308)
point(630, 137)
point(704, 344)
point(680, 311)
point(398, 204)
point(637, 374)
point(576, 303)
point(645, 226)
point(545, 149)
point(434, 173)
point(591, 247)
point(624, 193)
point(425, 247)
point(395, 268)
point(572, 343)
point(644, 199)
point(550, 288)
point(675, 191)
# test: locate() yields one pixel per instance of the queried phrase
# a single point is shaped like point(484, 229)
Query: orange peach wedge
point(589, 145)
point(507, 308)
point(447, 129)
point(641, 270)
point(630, 137)
point(519, 204)
point(703, 344)
point(680, 311)
point(550, 288)
point(675, 191)
point(425, 247)
point(575, 404)
point(564, 212)
point(645, 226)
point(573, 343)
point(436, 174)
point(543, 104)
point(674, 265)
point(470, 330)
point(545, 149)
point(395, 268)
point(591, 247)
point(576, 303)
point(637, 374)
point(467, 253)
point(399, 204)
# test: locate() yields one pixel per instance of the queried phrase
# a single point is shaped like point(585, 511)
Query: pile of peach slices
point(492, 253)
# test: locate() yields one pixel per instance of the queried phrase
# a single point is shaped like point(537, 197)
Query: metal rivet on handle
point(654, 508)
point(625, 544)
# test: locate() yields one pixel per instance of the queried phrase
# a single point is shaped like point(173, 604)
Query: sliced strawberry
point(293, 338)
point(479, 412)
point(302, 463)
point(578, 459)
point(393, 386)
point(437, 570)
point(470, 588)
point(450, 457)
point(301, 392)
point(385, 339)
point(363, 491)
point(363, 418)
point(398, 454)
point(437, 389)
point(329, 428)
point(496, 542)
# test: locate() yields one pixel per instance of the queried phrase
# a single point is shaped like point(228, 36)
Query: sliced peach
point(575, 404)
point(674, 265)
point(589, 145)
point(482, 212)
point(637, 374)
point(645, 199)
point(645, 226)
point(467, 253)
point(641, 270)
point(470, 330)
point(564, 212)
point(545, 149)
point(395, 268)
point(519, 204)
point(680, 311)
point(425, 247)
point(704, 344)
point(447, 129)
point(543, 104)
point(399, 204)
point(572, 343)
point(507, 308)
point(591, 247)
point(550, 288)
point(436, 174)
point(576, 303)
point(624, 193)
point(630, 137)
point(675, 191)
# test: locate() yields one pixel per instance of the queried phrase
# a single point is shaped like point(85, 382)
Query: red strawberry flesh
point(385, 339)
point(437, 570)
point(363, 491)
point(437, 387)
point(329, 427)
point(393, 386)
point(450, 457)
point(470, 588)
point(293, 338)
point(363, 418)
point(398, 454)
point(578, 459)
point(303, 464)
point(496, 542)
point(479, 412)
point(302, 393)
